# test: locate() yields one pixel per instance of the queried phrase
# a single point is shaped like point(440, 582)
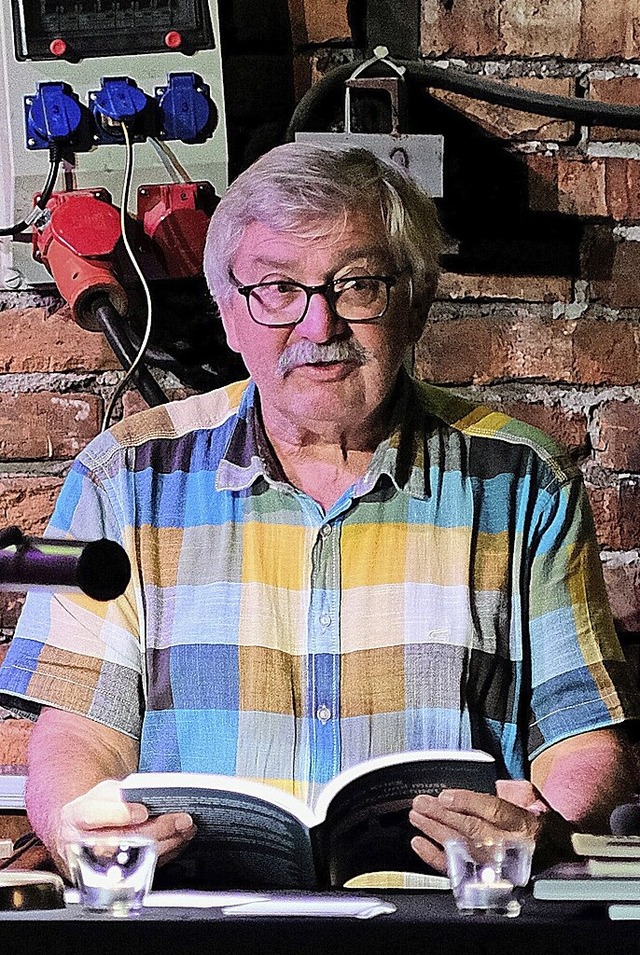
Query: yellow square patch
point(373, 554)
point(274, 554)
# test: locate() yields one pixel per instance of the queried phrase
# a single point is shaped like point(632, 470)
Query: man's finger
point(93, 814)
point(482, 806)
point(429, 853)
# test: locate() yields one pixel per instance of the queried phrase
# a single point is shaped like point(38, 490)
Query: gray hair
point(305, 189)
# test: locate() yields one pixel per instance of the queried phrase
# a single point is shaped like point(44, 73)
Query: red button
point(58, 47)
point(173, 39)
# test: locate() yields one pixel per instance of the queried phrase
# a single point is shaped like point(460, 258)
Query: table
point(425, 923)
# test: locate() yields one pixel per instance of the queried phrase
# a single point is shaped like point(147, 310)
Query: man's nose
point(321, 324)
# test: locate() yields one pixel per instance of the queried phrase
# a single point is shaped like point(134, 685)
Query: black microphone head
point(625, 819)
point(103, 570)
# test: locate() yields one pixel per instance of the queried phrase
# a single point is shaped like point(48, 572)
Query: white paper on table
point(185, 898)
point(355, 906)
point(622, 911)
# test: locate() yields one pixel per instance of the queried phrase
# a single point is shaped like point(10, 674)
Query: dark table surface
point(424, 922)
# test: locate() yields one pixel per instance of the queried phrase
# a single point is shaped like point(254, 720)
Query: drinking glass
point(112, 873)
point(487, 876)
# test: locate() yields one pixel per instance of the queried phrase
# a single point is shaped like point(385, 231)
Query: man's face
point(298, 377)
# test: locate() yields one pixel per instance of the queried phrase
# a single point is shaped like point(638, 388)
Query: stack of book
point(608, 870)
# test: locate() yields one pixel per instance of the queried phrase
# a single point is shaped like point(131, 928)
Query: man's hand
point(517, 810)
point(575, 784)
point(102, 810)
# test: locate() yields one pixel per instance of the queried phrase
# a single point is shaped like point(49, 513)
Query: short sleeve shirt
point(451, 598)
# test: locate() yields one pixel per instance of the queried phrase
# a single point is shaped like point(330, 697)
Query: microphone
point(101, 568)
point(625, 819)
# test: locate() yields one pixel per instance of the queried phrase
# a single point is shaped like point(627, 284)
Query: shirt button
point(325, 619)
point(326, 530)
point(323, 713)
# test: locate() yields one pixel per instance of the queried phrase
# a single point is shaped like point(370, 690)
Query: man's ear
point(418, 311)
point(417, 318)
point(229, 325)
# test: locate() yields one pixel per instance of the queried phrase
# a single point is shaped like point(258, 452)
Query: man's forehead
point(360, 237)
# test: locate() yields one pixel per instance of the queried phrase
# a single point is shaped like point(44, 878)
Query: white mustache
point(312, 353)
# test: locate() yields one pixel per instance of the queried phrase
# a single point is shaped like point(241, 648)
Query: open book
point(251, 835)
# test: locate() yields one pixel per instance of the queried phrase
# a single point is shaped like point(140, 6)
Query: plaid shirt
point(453, 597)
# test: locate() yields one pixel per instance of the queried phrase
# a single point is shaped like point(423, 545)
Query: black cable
point(55, 158)
point(110, 323)
point(11, 537)
point(586, 112)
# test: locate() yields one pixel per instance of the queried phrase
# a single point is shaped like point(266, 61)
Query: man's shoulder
point(177, 419)
point(487, 425)
point(158, 433)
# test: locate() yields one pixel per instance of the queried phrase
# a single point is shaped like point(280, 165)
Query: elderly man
point(332, 561)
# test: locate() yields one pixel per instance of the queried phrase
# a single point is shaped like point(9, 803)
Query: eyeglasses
point(355, 298)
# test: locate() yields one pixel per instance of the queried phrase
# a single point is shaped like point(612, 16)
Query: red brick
point(13, 825)
point(612, 268)
point(540, 28)
point(11, 604)
point(602, 187)
point(485, 349)
point(588, 29)
point(523, 288)
point(620, 90)
point(512, 123)
point(568, 428)
point(317, 21)
point(606, 353)
point(542, 176)
point(467, 27)
point(33, 340)
point(448, 351)
point(623, 587)
point(28, 502)
point(44, 425)
point(582, 187)
point(609, 29)
point(532, 348)
point(616, 511)
point(623, 188)
point(617, 442)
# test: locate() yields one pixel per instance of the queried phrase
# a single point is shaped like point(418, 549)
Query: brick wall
point(559, 349)
point(561, 352)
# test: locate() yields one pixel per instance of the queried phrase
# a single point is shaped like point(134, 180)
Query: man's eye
point(285, 288)
point(355, 283)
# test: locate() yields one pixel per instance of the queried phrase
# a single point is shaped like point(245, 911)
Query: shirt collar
point(400, 458)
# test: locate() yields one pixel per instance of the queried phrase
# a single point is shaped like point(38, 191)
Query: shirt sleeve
point(580, 679)
point(70, 651)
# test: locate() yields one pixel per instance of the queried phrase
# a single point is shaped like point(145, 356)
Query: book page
point(243, 841)
point(367, 827)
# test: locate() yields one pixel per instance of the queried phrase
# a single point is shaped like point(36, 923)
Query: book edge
point(215, 782)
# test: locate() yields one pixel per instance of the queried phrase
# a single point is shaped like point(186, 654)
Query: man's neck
point(322, 459)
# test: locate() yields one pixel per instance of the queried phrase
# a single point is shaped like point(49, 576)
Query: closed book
point(572, 882)
point(624, 912)
point(587, 844)
point(614, 868)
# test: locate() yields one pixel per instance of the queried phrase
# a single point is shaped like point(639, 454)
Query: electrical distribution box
point(60, 58)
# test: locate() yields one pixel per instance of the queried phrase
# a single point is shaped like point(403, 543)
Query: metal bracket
point(421, 155)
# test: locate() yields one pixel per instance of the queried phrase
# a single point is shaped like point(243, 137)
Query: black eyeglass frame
point(326, 290)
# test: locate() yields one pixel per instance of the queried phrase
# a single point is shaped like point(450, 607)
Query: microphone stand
point(100, 568)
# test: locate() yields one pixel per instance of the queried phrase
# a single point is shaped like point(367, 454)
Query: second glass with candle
point(488, 877)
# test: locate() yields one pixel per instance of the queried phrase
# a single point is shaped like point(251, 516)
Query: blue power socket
point(53, 116)
point(187, 111)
